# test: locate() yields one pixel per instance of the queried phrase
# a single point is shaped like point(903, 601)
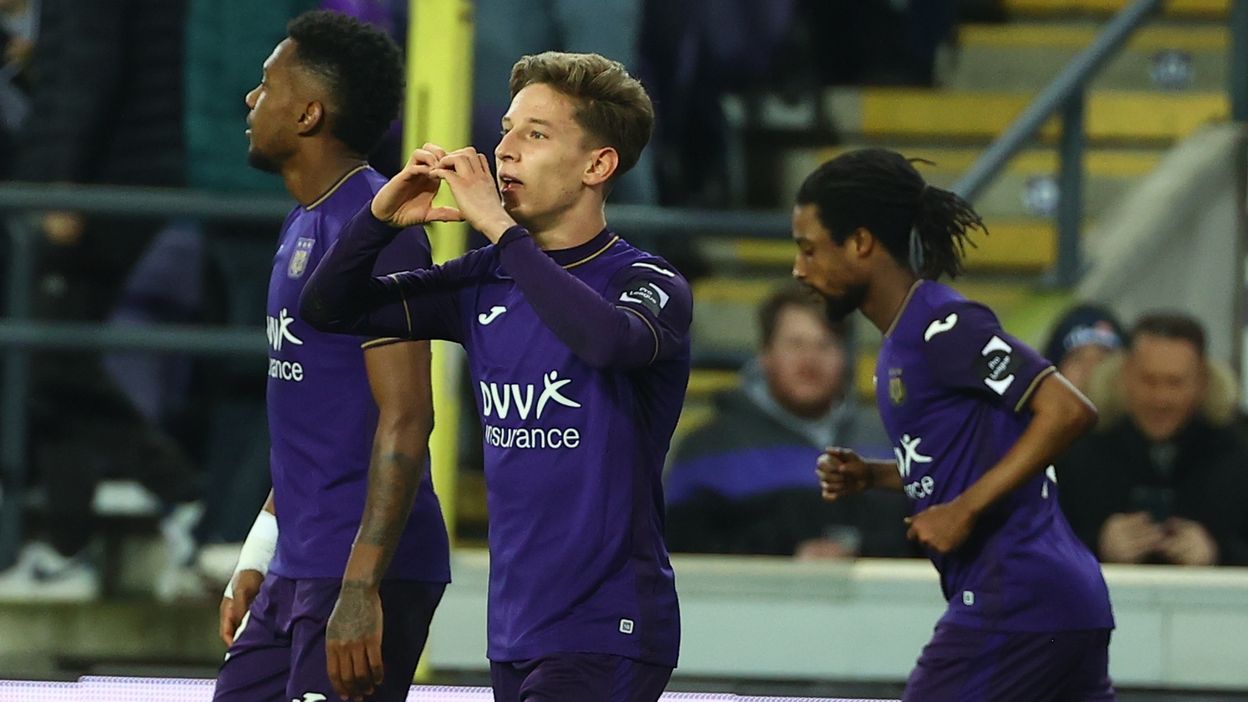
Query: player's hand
point(842, 472)
point(1129, 538)
point(407, 199)
point(1188, 543)
point(233, 609)
point(476, 192)
point(353, 642)
point(941, 528)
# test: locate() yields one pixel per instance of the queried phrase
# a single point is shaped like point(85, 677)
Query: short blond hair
point(613, 107)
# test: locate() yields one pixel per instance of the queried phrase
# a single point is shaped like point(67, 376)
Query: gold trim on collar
point(904, 304)
point(595, 254)
point(334, 188)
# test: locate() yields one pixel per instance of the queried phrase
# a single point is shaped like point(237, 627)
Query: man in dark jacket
point(105, 108)
point(1165, 482)
point(743, 483)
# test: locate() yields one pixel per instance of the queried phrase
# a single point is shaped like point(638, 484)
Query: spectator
point(17, 37)
point(105, 108)
point(1082, 340)
point(1165, 482)
point(743, 483)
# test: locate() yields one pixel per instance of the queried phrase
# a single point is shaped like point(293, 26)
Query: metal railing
point(1066, 96)
point(19, 335)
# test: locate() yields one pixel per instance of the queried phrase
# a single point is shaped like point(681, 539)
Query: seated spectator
point(744, 483)
point(1164, 481)
point(1083, 339)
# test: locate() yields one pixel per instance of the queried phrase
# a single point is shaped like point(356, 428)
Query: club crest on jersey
point(896, 389)
point(299, 259)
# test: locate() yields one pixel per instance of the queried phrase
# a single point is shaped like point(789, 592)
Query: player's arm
point(973, 354)
point(343, 296)
point(1059, 415)
point(249, 572)
point(611, 332)
point(644, 317)
point(398, 374)
point(842, 471)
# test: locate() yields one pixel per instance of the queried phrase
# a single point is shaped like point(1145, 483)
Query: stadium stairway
point(1168, 81)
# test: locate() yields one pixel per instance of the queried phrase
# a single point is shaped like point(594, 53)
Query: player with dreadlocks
point(976, 417)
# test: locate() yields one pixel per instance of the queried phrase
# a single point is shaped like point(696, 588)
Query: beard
point(260, 161)
point(838, 307)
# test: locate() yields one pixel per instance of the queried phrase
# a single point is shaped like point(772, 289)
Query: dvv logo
point(908, 454)
point(278, 330)
point(500, 399)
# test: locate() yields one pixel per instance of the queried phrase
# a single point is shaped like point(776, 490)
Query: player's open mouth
point(507, 183)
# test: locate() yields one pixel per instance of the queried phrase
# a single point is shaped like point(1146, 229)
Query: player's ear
point(603, 163)
point(312, 118)
point(863, 242)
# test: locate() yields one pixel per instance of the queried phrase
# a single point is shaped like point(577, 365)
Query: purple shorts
point(969, 665)
point(584, 677)
point(279, 652)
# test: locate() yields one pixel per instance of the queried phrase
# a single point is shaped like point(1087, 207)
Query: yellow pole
point(438, 109)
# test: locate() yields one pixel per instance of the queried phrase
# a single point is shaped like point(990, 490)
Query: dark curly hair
point(921, 226)
point(361, 66)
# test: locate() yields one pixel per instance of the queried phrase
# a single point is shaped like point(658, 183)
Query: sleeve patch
point(648, 295)
point(998, 365)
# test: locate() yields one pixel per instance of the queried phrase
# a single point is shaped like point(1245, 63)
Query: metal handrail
point(1066, 94)
point(169, 202)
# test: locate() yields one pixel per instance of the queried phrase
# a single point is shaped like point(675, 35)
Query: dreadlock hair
point(921, 226)
point(362, 68)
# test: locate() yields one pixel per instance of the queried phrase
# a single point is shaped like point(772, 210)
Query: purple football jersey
point(953, 388)
point(322, 416)
point(574, 444)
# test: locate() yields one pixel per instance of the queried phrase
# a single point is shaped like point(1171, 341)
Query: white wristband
point(258, 548)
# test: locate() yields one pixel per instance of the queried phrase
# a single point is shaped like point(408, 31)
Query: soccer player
point(349, 417)
point(976, 417)
point(579, 346)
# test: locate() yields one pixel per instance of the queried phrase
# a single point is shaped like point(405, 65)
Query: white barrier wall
point(770, 618)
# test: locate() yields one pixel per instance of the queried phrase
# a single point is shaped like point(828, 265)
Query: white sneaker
point(180, 584)
point(180, 579)
point(41, 574)
point(216, 561)
point(178, 528)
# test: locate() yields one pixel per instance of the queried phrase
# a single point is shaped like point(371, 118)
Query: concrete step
point(134, 630)
point(1173, 9)
point(952, 116)
point(1028, 55)
point(1026, 188)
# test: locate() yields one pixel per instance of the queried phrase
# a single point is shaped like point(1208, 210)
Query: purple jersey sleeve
point(966, 345)
point(407, 251)
point(343, 295)
point(644, 317)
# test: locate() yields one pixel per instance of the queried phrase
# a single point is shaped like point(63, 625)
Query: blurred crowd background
point(750, 96)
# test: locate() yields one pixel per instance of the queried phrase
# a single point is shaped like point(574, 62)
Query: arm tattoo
point(393, 479)
point(354, 616)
